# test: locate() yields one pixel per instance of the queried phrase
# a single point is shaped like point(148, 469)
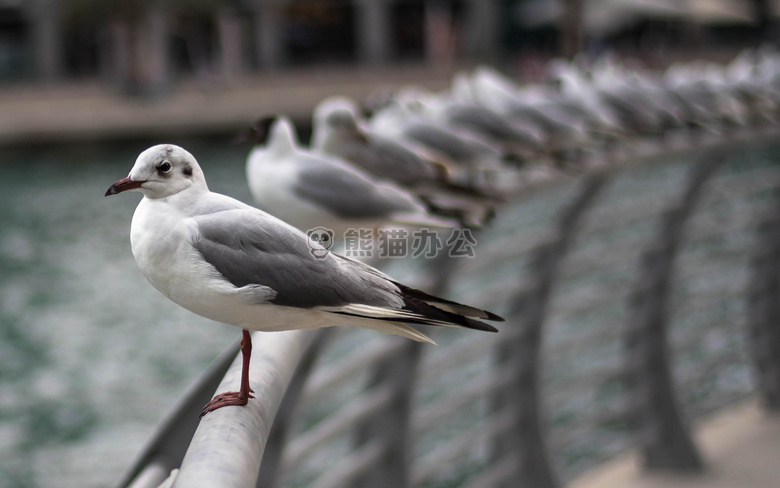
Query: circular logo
point(320, 241)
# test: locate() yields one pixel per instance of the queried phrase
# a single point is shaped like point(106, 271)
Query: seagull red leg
point(242, 396)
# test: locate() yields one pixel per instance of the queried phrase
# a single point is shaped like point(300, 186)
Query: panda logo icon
point(320, 241)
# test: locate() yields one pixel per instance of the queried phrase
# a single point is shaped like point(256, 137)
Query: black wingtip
point(494, 317)
point(414, 296)
point(478, 325)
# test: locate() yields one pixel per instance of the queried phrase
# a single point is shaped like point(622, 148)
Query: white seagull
point(310, 190)
point(337, 132)
point(235, 264)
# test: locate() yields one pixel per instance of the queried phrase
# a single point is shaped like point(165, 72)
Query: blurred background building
point(142, 46)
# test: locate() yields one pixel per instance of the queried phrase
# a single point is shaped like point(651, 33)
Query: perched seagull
point(523, 142)
point(563, 123)
point(465, 151)
point(310, 190)
point(337, 132)
point(235, 264)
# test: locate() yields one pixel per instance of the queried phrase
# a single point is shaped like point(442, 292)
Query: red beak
point(123, 185)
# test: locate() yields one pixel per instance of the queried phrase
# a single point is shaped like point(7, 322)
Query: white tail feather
point(396, 328)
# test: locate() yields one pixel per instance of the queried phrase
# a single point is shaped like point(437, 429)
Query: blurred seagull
point(310, 190)
point(521, 141)
point(469, 155)
point(337, 132)
point(564, 120)
point(233, 263)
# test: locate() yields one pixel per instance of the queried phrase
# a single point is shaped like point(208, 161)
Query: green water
point(91, 356)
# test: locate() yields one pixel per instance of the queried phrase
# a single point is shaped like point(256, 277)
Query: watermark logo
point(395, 243)
point(320, 241)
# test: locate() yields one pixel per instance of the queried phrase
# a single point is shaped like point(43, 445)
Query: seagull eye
point(165, 167)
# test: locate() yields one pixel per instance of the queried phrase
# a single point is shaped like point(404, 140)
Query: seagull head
point(342, 122)
point(336, 118)
point(161, 171)
point(282, 138)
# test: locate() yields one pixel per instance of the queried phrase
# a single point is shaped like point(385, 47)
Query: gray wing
point(385, 159)
point(444, 141)
point(347, 194)
point(408, 166)
point(483, 121)
point(248, 247)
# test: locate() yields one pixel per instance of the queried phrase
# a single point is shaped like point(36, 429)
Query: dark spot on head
point(187, 170)
point(263, 125)
point(258, 132)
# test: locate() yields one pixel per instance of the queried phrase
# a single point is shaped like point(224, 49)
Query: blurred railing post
point(526, 441)
point(765, 309)
point(165, 449)
point(227, 447)
point(277, 439)
point(391, 425)
point(665, 437)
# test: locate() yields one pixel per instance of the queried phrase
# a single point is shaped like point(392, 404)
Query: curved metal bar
point(228, 445)
point(272, 456)
point(765, 309)
point(664, 437)
point(526, 441)
point(392, 424)
point(166, 447)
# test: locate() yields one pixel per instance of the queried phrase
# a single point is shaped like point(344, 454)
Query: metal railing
point(638, 297)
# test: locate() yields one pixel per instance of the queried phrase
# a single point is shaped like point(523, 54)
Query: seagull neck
point(186, 198)
point(283, 139)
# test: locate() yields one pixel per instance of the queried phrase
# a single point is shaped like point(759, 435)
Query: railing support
point(277, 439)
point(665, 437)
point(391, 425)
point(764, 305)
point(527, 439)
point(165, 449)
point(228, 445)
